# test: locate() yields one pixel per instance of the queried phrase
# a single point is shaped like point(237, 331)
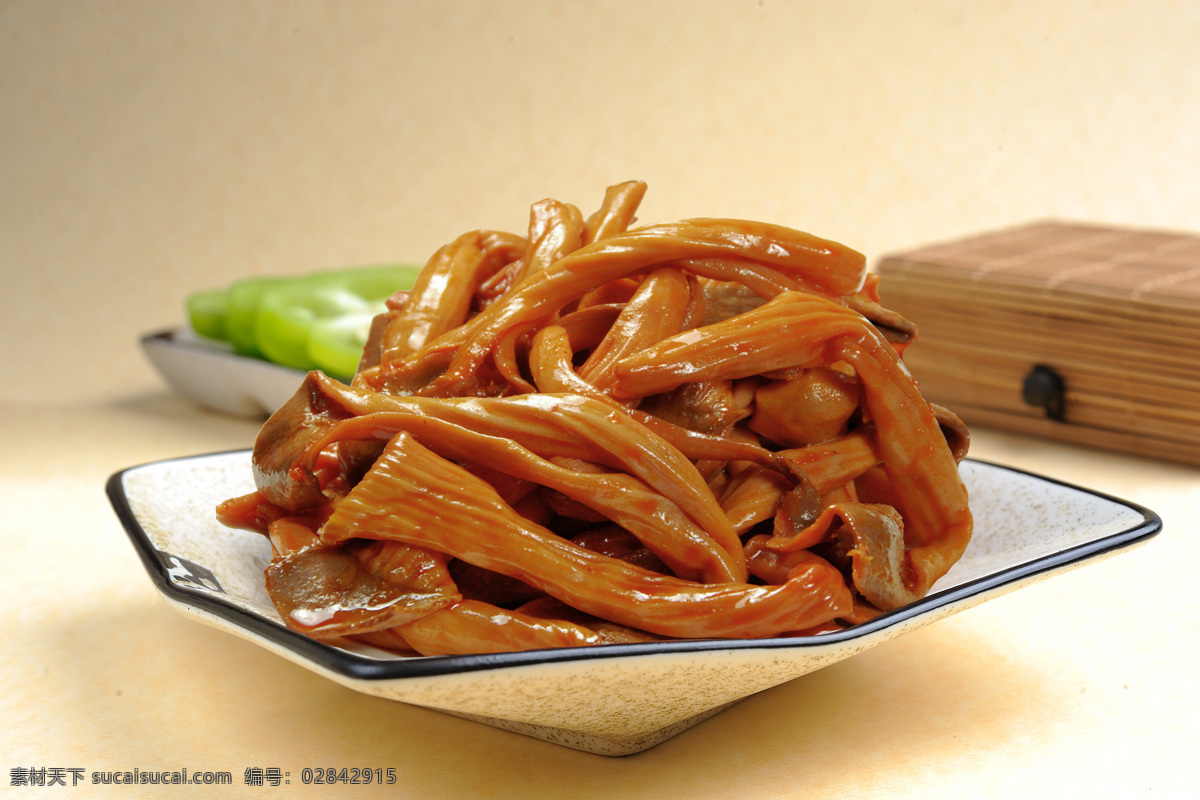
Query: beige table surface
point(150, 149)
point(1082, 683)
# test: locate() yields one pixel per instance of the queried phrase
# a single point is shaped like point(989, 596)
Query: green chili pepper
point(316, 321)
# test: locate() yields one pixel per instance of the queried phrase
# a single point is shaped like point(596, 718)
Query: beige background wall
point(153, 148)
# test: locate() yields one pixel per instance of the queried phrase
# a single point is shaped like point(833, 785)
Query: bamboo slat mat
point(1114, 312)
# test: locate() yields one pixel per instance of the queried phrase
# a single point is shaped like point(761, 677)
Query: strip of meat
point(551, 365)
point(413, 496)
point(324, 412)
point(354, 587)
point(870, 537)
point(626, 500)
point(616, 212)
point(836, 462)
point(752, 496)
point(475, 627)
point(799, 330)
point(441, 297)
point(657, 310)
point(816, 264)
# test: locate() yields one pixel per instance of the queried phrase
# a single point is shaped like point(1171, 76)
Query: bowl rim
point(174, 340)
point(364, 668)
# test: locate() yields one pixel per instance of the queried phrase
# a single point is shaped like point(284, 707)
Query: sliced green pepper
point(243, 300)
point(315, 321)
point(208, 314)
point(286, 317)
point(335, 345)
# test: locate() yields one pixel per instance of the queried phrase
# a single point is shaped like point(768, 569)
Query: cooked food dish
point(596, 433)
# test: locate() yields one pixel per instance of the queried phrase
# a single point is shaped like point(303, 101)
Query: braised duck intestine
point(597, 433)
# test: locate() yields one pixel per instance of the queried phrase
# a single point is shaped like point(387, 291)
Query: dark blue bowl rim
point(359, 667)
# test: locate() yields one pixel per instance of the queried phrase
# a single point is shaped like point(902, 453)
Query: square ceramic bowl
point(611, 700)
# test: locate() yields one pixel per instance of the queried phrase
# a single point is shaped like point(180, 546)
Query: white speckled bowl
point(612, 700)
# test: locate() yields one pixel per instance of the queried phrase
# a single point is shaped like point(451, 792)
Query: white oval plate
point(217, 378)
point(611, 700)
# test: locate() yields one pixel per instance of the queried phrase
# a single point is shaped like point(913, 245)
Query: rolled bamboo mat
point(1077, 332)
